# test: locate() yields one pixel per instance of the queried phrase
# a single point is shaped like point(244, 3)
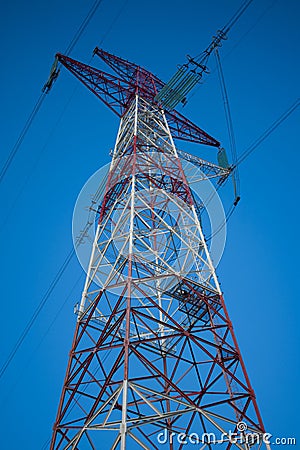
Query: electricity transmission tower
point(154, 361)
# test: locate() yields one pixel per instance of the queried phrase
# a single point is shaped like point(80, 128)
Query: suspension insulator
point(222, 158)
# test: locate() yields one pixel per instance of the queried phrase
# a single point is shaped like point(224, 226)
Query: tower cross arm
point(117, 92)
point(127, 70)
point(113, 91)
point(182, 128)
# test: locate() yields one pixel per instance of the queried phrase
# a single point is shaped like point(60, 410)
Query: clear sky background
point(71, 138)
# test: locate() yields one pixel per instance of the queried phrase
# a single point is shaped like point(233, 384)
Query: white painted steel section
point(87, 280)
point(123, 426)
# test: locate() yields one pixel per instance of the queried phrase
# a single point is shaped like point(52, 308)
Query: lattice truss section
point(154, 351)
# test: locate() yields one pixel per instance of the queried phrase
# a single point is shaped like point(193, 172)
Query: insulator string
point(42, 96)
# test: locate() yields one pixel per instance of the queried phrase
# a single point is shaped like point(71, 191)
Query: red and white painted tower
point(154, 361)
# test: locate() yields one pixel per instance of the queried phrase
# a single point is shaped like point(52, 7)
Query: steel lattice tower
point(154, 352)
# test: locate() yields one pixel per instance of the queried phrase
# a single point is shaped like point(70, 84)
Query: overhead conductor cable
point(53, 75)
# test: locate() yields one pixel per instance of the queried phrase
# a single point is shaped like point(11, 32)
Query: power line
point(259, 18)
point(269, 130)
point(42, 96)
point(42, 150)
point(61, 115)
point(115, 19)
point(228, 116)
point(65, 263)
point(248, 152)
point(22, 136)
point(46, 333)
point(220, 35)
point(83, 26)
point(36, 313)
point(46, 444)
point(53, 284)
point(236, 16)
point(237, 43)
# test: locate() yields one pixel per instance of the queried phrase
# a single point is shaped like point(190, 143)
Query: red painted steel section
point(117, 93)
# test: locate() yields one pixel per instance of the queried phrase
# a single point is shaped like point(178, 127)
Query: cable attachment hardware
point(203, 68)
point(54, 72)
point(217, 40)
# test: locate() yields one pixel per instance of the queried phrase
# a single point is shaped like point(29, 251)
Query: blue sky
point(71, 138)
